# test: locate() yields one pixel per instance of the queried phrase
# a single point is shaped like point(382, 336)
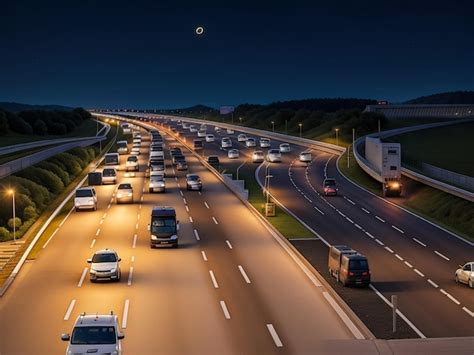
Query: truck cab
point(163, 227)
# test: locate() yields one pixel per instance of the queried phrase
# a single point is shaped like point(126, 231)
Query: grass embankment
point(286, 224)
point(451, 212)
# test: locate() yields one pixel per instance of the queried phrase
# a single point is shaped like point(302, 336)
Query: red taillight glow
point(365, 273)
point(351, 273)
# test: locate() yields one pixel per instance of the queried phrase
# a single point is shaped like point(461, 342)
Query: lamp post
point(240, 119)
point(301, 129)
point(273, 126)
point(337, 136)
point(12, 192)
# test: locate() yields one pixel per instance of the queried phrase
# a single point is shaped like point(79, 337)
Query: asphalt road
point(409, 257)
point(229, 287)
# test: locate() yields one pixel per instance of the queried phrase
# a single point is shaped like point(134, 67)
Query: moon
point(199, 30)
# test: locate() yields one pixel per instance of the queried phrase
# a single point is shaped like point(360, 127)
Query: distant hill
point(445, 98)
point(17, 107)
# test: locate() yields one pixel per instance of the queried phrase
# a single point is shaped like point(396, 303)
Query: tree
point(3, 123)
point(40, 128)
point(17, 223)
point(4, 234)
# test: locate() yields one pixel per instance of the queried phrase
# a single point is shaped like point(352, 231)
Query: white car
point(258, 156)
point(201, 133)
point(230, 131)
point(124, 193)
point(274, 156)
point(217, 129)
point(105, 265)
point(135, 151)
point(209, 138)
point(137, 141)
point(264, 143)
point(157, 182)
point(233, 154)
point(193, 128)
point(86, 198)
point(95, 333)
point(131, 163)
point(285, 148)
point(109, 176)
point(242, 138)
point(226, 142)
point(305, 157)
point(250, 142)
point(465, 274)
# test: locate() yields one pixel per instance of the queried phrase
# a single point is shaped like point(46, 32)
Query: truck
point(163, 227)
point(385, 160)
point(348, 266)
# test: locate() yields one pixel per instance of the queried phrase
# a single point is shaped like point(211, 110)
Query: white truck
point(385, 159)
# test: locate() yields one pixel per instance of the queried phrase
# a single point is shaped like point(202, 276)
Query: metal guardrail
point(368, 168)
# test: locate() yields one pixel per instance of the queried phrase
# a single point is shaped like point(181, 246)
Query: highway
point(229, 288)
point(409, 257)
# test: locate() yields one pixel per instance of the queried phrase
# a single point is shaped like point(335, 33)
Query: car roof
point(189, 175)
point(160, 211)
point(86, 188)
point(98, 319)
point(105, 251)
point(125, 186)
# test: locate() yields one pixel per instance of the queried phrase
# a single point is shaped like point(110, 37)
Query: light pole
point(12, 192)
point(337, 136)
point(240, 119)
point(301, 129)
point(273, 126)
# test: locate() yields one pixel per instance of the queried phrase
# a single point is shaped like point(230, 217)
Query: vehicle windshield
point(108, 172)
point(274, 151)
point(122, 144)
point(163, 225)
point(104, 258)
point(125, 187)
point(93, 335)
point(156, 178)
point(330, 183)
point(358, 264)
point(132, 158)
point(84, 193)
point(193, 178)
point(111, 159)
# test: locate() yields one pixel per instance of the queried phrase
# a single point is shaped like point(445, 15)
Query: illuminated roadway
point(229, 287)
point(409, 257)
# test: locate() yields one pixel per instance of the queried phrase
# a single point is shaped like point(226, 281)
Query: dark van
point(348, 266)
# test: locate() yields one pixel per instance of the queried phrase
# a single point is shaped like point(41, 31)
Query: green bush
point(30, 212)
point(82, 154)
point(56, 169)
point(39, 194)
point(4, 234)
point(17, 223)
point(43, 177)
point(70, 163)
point(40, 128)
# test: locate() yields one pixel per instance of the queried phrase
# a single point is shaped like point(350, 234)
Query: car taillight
point(351, 273)
point(365, 273)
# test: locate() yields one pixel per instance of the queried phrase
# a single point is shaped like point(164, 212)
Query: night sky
point(147, 54)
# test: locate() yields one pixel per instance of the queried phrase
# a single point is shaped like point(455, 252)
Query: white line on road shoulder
point(215, 220)
point(244, 274)
point(204, 256)
point(83, 276)
point(225, 310)
point(49, 239)
point(125, 314)
point(64, 220)
point(130, 276)
point(419, 242)
point(347, 321)
point(275, 337)
point(228, 244)
point(213, 278)
point(441, 255)
point(69, 310)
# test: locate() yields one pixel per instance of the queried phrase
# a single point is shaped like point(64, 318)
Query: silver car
point(465, 274)
point(157, 182)
point(105, 265)
point(86, 198)
point(233, 154)
point(124, 193)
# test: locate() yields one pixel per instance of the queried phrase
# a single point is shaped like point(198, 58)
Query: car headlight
point(129, 194)
point(113, 270)
point(154, 237)
point(119, 195)
point(92, 271)
point(174, 237)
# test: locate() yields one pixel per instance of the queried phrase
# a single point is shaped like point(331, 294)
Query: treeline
point(446, 98)
point(35, 187)
point(42, 122)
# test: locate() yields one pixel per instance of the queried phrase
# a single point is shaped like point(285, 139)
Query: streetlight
point(337, 136)
point(12, 192)
point(240, 119)
point(273, 126)
point(301, 128)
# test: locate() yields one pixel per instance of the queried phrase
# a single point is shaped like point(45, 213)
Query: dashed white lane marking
point(443, 291)
point(204, 256)
point(389, 250)
point(136, 226)
point(187, 208)
point(92, 244)
point(244, 274)
point(205, 204)
point(369, 235)
point(357, 226)
point(109, 206)
point(419, 272)
point(225, 310)
point(101, 222)
point(408, 264)
point(138, 216)
point(366, 211)
point(432, 283)
point(317, 209)
point(190, 219)
point(228, 244)
point(398, 257)
point(130, 276)
point(105, 215)
point(421, 243)
point(134, 244)
point(199, 192)
point(468, 311)
point(184, 201)
point(350, 201)
point(307, 198)
point(133, 259)
point(98, 232)
point(347, 321)
point(398, 229)
point(176, 178)
point(213, 279)
point(141, 199)
point(140, 207)
point(196, 234)
point(179, 185)
point(49, 239)
point(380, 219)
point(342, 214)
point(69, 310)
point(349, 220)
point(441, 255)
point(275, 337)
point(215, 220)
point(453, 299)
point(379, 242)
point(125, 314)
point(83, 276)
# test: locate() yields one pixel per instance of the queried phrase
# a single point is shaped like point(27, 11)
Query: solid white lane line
point(389, 250)
point(130, 276)
point(83, 276)
point(366, 211)
point(190, 219)
point(422, 244)
point(92, 244)
point(204, 256)
point(134, 244)
point(181, 192)
point(379, 242)
point(275, 337)
point(441, 255)
point(225, 310)
point(398, 257)
point(205, 204)
point(69, 310)
point(244, 274)
point(64, 220)
point(432, 283)
point(49, 239)
point(228, 244)
point(196, 234)
point(370, 235)
point(419, 272)
point(215, 220)
point(213, 278)
point(408, 264)
point(453, 299)
point(98, 232)
point(398, 229)
point(125, 314)
point(184, 200)
point(187, 208)
point(347, 321)
point(468, 311)
point(380, 219)
point(317, 209)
